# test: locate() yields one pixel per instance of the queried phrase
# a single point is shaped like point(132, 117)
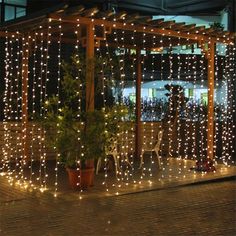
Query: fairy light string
point(33, 130)
point(58, 101)
point(77, 50)
point(217, 105)
point(6, 106)
point(133, 112)
point(143, 102)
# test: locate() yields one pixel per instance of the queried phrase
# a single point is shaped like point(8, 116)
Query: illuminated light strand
point(41, 104)
point(202, 121)
point(188, 120)
point(121, 135)
point(5, 150)
point(78, 163)
point(33, 133)
point(111, 67)
point(162, 110)
point(233, 105)
point(119, 173)
point(103, 79)
point(194, 130)
point(125, 133)
point(171, 113)
point(153, 117)
point(217, 106)
point(179, 124)
point(10, 110)
point(104, 82)
point(44, 111)
point(21, 181)
point(18, 108)
point(229, 77)
point(133, 68)
point(143, 102)
point(16, 92)
point(58, 104)
point(224, 110)
point(14, 99)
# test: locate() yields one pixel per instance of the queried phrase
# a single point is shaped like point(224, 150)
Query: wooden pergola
point(96, 27)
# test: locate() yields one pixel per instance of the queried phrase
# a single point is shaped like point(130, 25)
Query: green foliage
point(73, 132)
point(217, 26)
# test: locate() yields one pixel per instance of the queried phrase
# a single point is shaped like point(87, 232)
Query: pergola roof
point(154, 31)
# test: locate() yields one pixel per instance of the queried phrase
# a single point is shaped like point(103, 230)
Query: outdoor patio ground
point(172, 173)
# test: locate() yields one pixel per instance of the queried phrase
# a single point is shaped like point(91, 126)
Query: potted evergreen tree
point(79, 136)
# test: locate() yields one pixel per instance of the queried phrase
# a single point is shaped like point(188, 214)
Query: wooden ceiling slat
point(177, 26)
point(188, 27)
point(197, 29)
point(90, 12)
point(132, 18)
point(157, 26)
point(143, 20)
point(156, 22)
point(118, 16)
point(166, 24)
point(105, 14)
point(74, 10)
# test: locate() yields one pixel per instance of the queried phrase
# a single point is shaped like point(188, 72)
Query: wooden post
point(90, 68)
point(210, 113)
point(138, 106)
point(25, 57)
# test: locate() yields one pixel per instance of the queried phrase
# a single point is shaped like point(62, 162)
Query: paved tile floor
point(201, 209)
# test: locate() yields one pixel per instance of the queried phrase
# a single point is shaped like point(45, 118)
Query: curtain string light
point(77, 49)
point(58, 102)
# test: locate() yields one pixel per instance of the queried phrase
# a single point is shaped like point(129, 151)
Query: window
point(9, 13)
point(16, 2)
point(11, 9)
point(20, 11)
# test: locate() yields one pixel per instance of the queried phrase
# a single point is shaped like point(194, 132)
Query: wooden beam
point(166, 24)
point(197, 29)
point(132, 18)
point(188, 27)
point(138, 28)
point(138, 126)
point(8, 34)
point(178, 26)
point(90, 12)
point(74, 10)
point(157, 22)
point(210, 113)
point(118, 16)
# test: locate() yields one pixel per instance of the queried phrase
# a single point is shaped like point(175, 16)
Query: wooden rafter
point(141, 28)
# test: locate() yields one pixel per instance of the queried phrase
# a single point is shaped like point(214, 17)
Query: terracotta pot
point(86, 178)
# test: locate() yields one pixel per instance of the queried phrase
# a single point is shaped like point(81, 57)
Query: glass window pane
point(20, 11)
point(9, 13)
point(16, 2)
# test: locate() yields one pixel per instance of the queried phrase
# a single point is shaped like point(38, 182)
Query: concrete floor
point(172, 173)
point(199, 209)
